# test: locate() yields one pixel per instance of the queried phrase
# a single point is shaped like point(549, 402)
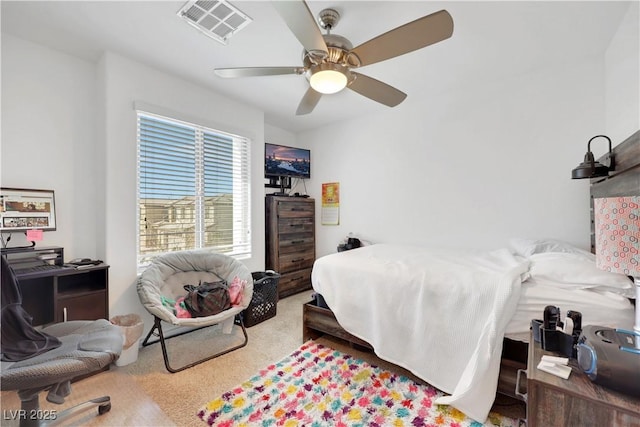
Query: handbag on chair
point(207, 299)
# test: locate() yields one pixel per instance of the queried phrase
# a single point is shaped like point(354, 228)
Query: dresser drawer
point(291, 209)
point(291, 283)
point(295, 225)
point(296, 244)
point(295, 261)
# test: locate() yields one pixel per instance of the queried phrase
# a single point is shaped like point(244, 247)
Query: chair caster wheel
point(103, 409)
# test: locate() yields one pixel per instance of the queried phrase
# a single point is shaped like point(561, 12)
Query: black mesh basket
point(264, 301)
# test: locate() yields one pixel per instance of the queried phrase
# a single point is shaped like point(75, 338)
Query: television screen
point(286, 161)
point(22, 209)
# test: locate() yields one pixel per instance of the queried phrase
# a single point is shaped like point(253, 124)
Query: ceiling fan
point(328, 59)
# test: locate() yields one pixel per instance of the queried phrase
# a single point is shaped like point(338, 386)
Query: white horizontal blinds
point(226, 193)
point(166, 189)
point(189, 184)
point(242, 198)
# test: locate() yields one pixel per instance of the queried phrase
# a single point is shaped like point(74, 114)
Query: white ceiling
point(491, 40)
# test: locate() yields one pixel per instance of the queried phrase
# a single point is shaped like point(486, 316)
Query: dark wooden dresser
point(290, 241)
point(576, 401)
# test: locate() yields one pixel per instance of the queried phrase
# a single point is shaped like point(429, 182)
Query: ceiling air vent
point(216, 18)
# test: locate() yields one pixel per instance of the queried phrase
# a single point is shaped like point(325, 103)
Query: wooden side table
point(576, 401)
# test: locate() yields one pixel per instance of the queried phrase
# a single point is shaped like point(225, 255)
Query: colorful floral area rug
point(320, 386)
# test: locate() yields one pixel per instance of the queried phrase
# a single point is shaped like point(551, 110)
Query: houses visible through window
point(193, 189)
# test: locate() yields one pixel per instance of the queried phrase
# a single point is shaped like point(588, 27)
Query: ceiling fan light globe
point(328, 81)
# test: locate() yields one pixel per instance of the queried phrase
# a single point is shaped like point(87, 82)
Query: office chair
point(35, 360)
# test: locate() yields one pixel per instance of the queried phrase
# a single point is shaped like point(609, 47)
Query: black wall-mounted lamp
point(589, 168)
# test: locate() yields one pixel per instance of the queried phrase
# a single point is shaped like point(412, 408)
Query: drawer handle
point(295, 242)
point(296, 225)
point(297, 209)
point(297, 260)
point(297, 278)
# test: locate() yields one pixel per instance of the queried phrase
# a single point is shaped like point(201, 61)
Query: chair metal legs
point(157, 326)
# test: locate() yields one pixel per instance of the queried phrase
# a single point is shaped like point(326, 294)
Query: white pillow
point(528, 247)
point(573, 271)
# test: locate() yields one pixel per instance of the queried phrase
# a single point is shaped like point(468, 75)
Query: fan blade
point(309, 102)
point(415, 35)
point(376, 90)
point(302, 24)
point(257, 71)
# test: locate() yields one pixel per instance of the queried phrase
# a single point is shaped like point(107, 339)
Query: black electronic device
point(551, 317)
point(84, 261)
point(280, 160)
point(576, 317)
point(611, 357)
point(282, 163)
point(353, 243)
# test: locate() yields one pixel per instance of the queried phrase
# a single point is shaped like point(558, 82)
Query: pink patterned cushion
point(617, 227)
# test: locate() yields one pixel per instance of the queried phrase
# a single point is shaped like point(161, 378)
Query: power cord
point(5, 243)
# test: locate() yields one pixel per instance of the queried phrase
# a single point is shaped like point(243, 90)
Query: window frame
point(239, 171)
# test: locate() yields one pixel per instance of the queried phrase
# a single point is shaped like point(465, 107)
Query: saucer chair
point(165, 278)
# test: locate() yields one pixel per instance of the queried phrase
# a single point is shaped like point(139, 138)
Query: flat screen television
point(280, 160)
point(24, 209)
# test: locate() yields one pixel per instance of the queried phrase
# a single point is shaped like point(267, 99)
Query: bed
point(480, 304)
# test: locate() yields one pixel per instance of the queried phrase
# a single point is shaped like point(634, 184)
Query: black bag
point(207, 299)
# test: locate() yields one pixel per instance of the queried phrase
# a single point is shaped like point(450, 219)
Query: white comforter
point(441, 315)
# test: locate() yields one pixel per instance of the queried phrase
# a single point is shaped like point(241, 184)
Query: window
point(193, 189)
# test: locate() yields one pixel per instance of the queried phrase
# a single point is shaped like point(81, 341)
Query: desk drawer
point(82, 306)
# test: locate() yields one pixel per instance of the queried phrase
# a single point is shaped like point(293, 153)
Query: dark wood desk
point(61, 293)
point(67, 294)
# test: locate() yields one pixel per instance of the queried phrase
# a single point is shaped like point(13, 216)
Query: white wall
point(623, 78)
point(125, 82)
point(276, 135)
point(478, 166)
point(83, 145)
point(467, 169)
point(49, 139)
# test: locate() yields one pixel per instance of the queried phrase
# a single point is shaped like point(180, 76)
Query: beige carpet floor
point(180, 395)
point(145, 394)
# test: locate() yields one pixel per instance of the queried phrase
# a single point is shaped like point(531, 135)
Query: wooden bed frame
point(623, 181)
point(318, 321)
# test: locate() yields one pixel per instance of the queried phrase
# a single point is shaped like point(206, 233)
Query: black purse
point(208, 298)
